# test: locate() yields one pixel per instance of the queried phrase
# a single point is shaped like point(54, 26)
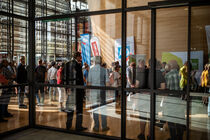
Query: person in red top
point(61, 90)
point(3, 81)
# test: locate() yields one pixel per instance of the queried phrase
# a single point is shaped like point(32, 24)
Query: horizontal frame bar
point(17, 85)
point(13, 15)
point(79, 14)
point(80, 87)
point(130, 9)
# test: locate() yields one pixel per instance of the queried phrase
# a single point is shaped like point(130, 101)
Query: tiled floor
point(168, 109)
point(36, 134)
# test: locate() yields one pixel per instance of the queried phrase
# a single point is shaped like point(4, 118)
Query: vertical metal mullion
point(123, 74)
point(71, 29)
point(44, 53)
point(42, 30)
point(70, 2)
point(67, 39)
point(189, 71)
point(45, 49)
point(26, 31)
point(31, 40)
point(55, 34)
point(55, 37)
point(26, 43)
point(153, 73)
point(71, 36)
point(76, 38)
point(9, 33)
point(12, 30)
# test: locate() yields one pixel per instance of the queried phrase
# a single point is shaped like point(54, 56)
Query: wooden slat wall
point(200, 18)
point(172, 29)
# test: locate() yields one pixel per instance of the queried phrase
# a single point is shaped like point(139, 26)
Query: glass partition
point(59, 7)
point(14, 101)
point(199, 86)
point(15, 6)
point(88, 62)
point(137, 74)
point(171, 73)
point(12, 114)
point(93, 112)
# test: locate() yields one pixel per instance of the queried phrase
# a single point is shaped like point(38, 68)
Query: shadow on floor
point(36, 134)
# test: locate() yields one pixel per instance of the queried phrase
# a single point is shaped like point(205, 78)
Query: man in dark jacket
point(40, 77)
point(21, 79)
point(74, 76)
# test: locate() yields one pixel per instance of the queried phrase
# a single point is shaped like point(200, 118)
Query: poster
point(208, 39)
point(129, 49)
point(85, 48)
point(196, 58)
point(95, 46)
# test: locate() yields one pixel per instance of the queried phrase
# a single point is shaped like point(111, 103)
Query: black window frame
point(123, 10)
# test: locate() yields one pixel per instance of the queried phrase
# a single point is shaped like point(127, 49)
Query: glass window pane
point(19, 7)
point(171, 72)
point(137, 57)
point(59, 7)
point(199, 87)
point(13, 100)
point(61, 45)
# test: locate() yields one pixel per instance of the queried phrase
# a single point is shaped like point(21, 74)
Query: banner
point(208, 38)
point(95, 46)
point(85, 48)
point(129, 49)
point(196, 58)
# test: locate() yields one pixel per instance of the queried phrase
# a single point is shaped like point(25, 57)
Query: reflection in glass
point(59, 7)
point(171, 64)
point(11, 116)
point(199, 86)
point(13, 65)
point(137, 73)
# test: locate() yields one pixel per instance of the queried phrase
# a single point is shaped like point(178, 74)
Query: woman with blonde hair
point(204, 78)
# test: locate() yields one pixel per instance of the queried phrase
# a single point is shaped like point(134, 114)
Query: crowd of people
point(168, 76)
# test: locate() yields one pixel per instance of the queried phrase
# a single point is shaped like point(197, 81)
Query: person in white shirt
point(51, 74)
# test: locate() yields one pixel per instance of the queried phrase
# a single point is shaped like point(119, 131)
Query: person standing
point(183, 74)
point(61, 90)
point(172, 83)
point(52, 72)
point(7, 93)
point(204, 78)
point(98, 76)
point(40, 76)
point(131, 75)
point(74, 76)
point(3, 81)
point(21, 79)
point(141, 75)
point(172, 77)
point(115, 81)
point(183, 80)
